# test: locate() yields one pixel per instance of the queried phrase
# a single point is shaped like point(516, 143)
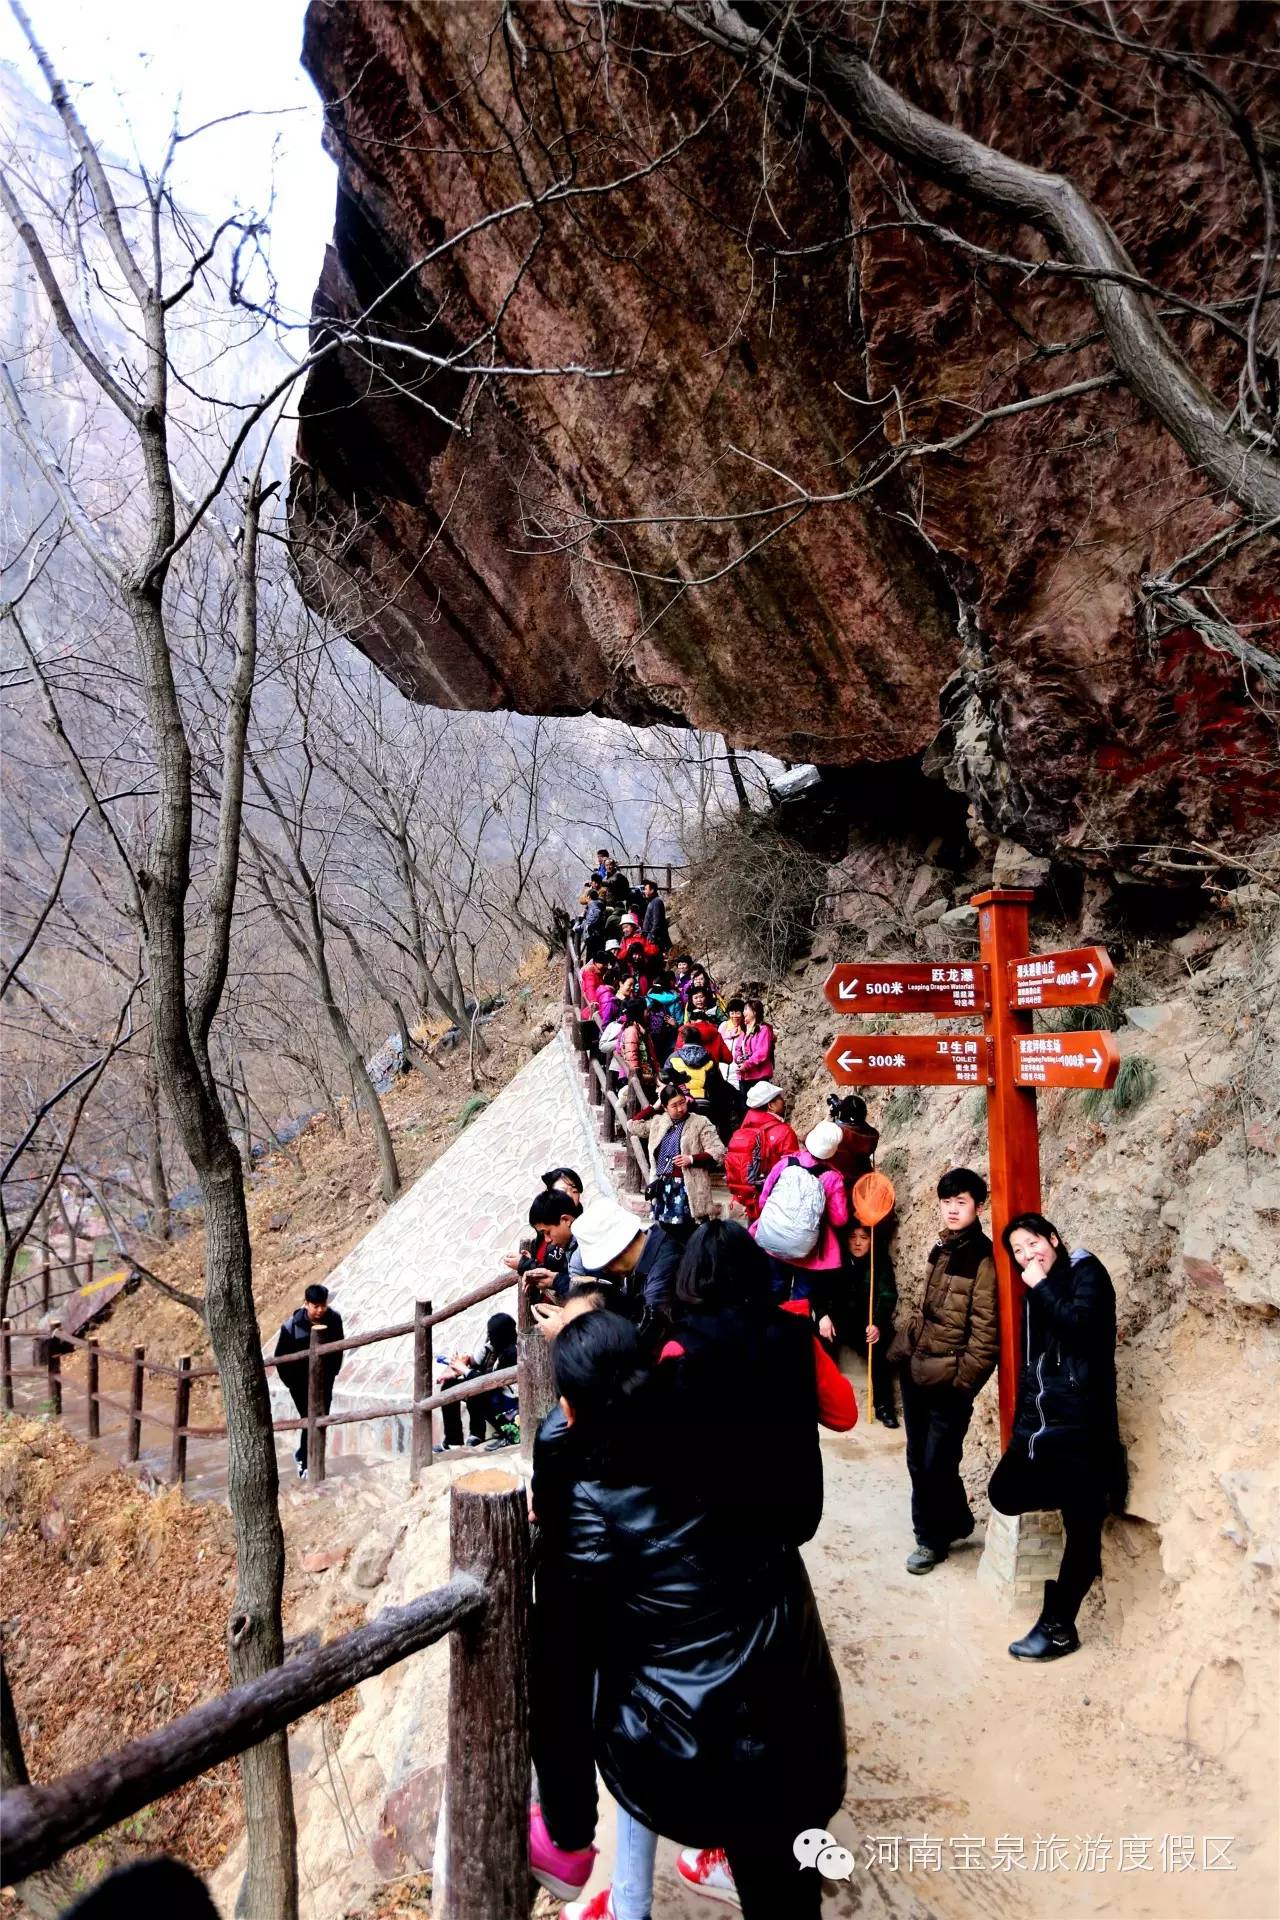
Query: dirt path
point(950, 1739)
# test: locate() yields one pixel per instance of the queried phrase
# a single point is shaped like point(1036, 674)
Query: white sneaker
point(706, 1870)
point(598, 1907)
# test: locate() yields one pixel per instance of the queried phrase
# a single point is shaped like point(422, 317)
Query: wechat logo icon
point(815, 1847)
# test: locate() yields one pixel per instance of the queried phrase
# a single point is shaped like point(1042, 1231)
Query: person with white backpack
point(804, 1204)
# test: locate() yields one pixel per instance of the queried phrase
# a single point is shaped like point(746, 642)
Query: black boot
point(1051, 1637)
point(886, 1417)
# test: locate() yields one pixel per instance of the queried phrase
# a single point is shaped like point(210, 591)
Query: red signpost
point(1009, 1059)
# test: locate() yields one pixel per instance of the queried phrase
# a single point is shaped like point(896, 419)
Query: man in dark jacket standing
point(951, 1347)
point(295, 1337)
point(654, 925)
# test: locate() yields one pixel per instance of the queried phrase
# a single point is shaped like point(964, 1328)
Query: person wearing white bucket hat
point(754, 1150)
point(639, 1263)
point(803, 1205)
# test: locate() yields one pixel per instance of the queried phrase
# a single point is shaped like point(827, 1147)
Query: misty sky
point(135, 62)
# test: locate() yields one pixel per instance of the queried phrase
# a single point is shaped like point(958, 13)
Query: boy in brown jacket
point(952, 1345)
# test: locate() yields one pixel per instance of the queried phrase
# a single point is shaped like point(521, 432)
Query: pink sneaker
point(707, 1871)
point(598, 1907)
point(560, 1872)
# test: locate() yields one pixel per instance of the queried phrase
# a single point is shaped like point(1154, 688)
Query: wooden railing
point(649, 870)
point(484, 1607)
point(40, 1278)
point(531, 1376)
point(619, 1102)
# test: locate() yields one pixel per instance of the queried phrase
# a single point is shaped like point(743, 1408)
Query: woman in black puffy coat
point(718, 1718)
point(1065, 1450)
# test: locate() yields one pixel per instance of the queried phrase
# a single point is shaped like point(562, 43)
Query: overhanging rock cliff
point(770, 319)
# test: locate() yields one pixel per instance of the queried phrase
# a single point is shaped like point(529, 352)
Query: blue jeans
point(636, 1850)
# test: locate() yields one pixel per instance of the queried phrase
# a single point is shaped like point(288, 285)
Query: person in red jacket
point(764, 1138)
point(699, 1020)
point(635, 951)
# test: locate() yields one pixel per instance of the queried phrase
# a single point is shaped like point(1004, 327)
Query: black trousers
point(764, 1870)
point(301, 1401)
point(937, 1419)
point(1017, 1487)
point(482, 1408)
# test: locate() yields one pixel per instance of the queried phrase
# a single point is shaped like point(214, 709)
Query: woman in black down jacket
point(718, 1718)
point(1065, 1450)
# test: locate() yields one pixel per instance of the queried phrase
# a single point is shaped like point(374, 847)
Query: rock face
point(542, 543)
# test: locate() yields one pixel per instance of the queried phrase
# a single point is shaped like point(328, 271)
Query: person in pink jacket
point(753, 1046)
point(794, 1277)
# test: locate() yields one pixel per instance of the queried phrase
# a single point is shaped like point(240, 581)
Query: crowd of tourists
point(677, 1646)
point(677, 1649)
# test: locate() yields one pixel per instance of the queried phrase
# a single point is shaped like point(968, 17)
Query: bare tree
point(133, 554)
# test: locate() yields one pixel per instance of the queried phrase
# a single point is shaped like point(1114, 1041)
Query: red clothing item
point(764, 1138)
point(709, 1036)
point(837, 1402)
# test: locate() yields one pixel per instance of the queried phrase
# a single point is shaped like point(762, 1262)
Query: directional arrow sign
point(1080, 977)
point(911, 1060)
point(1064, 1059)
point(913, 988)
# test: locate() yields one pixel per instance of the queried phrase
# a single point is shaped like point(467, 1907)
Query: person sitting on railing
point(589, 981)
point(295, 1338)
point(499, 1407)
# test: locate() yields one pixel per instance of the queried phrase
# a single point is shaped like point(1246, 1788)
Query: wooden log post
point(315, 1408)
point(487, 1767)
point(91, 1387)
point(420, 1454)
point(181, 1415)
point(6, 1364)
point(137, 1384)
point(536, 1380)
point(53, 1365)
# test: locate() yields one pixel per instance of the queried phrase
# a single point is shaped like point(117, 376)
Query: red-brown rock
point(755, 341)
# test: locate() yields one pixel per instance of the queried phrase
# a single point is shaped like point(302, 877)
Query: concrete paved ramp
point(447, 1234)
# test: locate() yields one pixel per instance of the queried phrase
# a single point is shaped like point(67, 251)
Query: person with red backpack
point(803, 1204)
point(764, 1138)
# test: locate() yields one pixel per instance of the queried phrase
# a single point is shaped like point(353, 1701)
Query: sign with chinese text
point(1080, 977)
point(1065, 1059)
point(915, 988)
point(910, 1060)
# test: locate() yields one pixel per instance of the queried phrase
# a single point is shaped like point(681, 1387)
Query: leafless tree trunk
point(182, 1008)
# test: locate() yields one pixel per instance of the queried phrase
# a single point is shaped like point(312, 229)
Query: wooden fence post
point(535, 1381)
point(53, 1362)
point(91, 1387)
point(487, 1768)
point(181, 1414)
point(316, 1434)
point(6, 1364)
point(420, 1454)
point(136, 1385)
